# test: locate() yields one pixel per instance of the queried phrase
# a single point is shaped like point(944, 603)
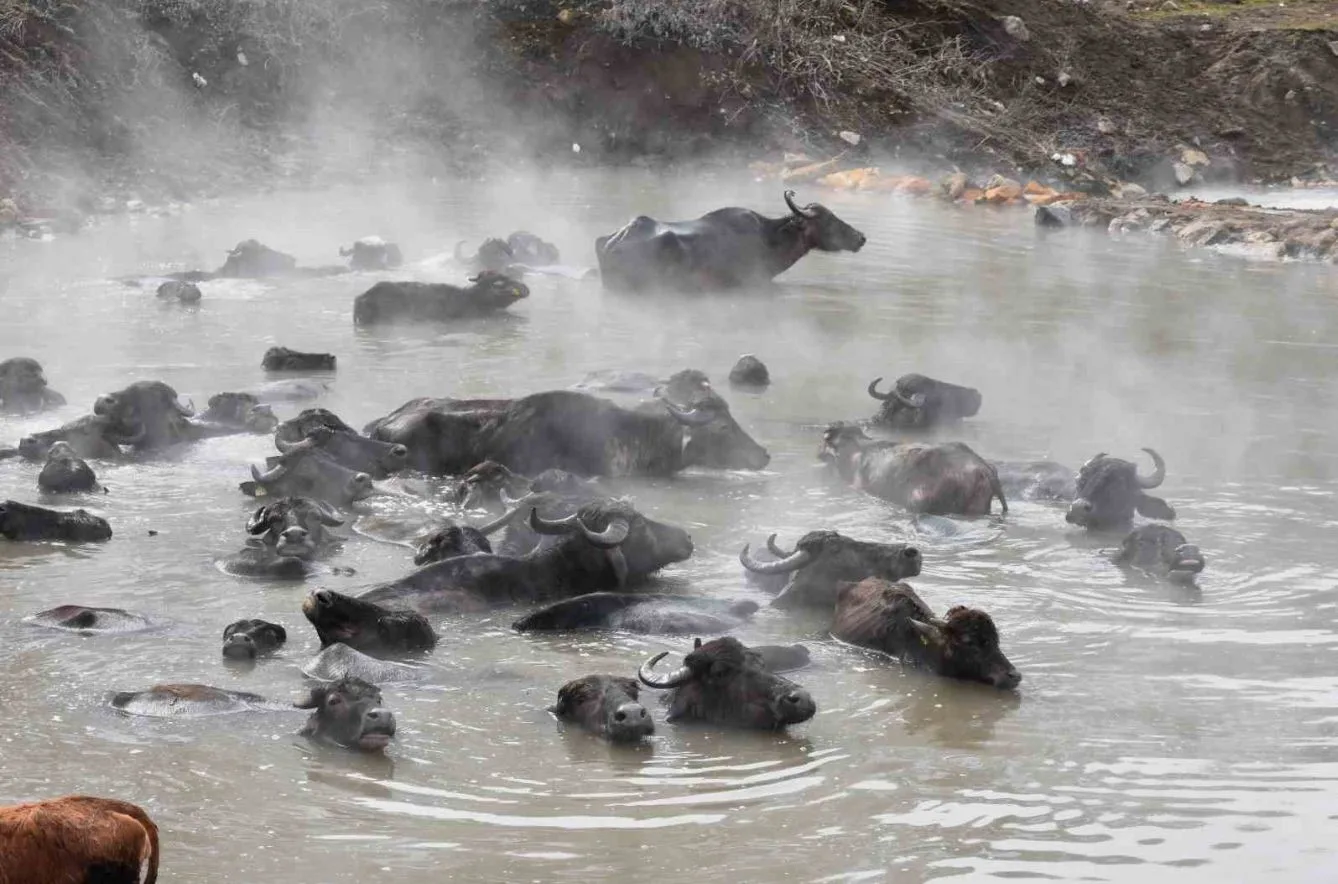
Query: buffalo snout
point(629, 723)
point(795, 706)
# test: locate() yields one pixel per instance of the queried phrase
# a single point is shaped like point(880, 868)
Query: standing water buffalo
point(822, 562)
point(437, 302)
point(372, 253)
point(21, 521)
point(891, 618)
point(944, 480)
point(1161, 551)
point(1110, 490)
point(572, 431)
point(65, 472)
point(605, 705)
point(725, 249)
point(919, 402)
point(341, 443)
point(723, 682)
point(306, 471)
point(23, 388)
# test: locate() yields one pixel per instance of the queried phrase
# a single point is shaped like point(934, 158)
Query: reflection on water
point(1159, 733)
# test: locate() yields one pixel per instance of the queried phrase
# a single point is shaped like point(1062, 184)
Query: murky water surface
point(1159, 735)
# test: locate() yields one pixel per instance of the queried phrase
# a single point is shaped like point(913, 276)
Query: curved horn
point(284, 447)
point(776, 550)
point(500, 522)
point(792, 562)
point(271, 476)
point(646, 673)
point(184, 410)
point(508, 501)
point(1158, 473)
point(931, 631)
point(894, 393)
point(540, 525)
point(610, 537)
point(694, 418)
point(789, 201)
point(327, 514)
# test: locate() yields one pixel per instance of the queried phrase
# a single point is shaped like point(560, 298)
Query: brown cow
point(75, 839)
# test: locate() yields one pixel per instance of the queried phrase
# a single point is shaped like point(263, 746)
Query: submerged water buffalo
point(372, 253)
point(1161, 551)
point(179, 290)
point(1037, 480)
point(449, 541)
point(284, 359)
point(724, 249)
point(572, 431)
point(946, 479)
point(367, 626)
point(65, 472)
point(236, 413)
point(90, 621)
point(341, 443)
point(489, 485)
point(149, 415)
point(891, 618)
point(519, 252)
point(1110, 490)
point(822, 562)
point(723, 682)
point(22, 521)
point(23, 387)
point(249, 639)
point(295, 526)
point(338, 661)
point(306, 471)
point(252, 259)
point(605, 705)
point(89, 436)
point(749, 373)
point(437, 302)
point(348, 713)
point(639, 612)
point(919, 402)
point(189, 701)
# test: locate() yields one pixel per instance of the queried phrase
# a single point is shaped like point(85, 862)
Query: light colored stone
point(1129, 191)
point(954, 185)
point(1016, 28)
point(997, 181)
point(1064, 78)
point(1192, 157)
point(851, 138)
point(1105, 126)
point(9, 212)
point(1333, 46)
point(1183, 173)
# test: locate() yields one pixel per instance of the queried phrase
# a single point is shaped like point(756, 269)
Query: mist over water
point(1160, 734)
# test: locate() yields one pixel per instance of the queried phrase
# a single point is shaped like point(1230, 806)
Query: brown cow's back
point(77, 838)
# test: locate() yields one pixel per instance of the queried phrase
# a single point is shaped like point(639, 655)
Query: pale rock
point(851, 138)
point(9, 212)
point(1064, 78)
point(1016, 28)
point(955, 185)
point(1191, 157)
point(1105, 126)
point(1184, 173)
point(1127, 190)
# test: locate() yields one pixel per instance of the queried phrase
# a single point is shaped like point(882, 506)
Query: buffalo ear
point(314, 699)
point(1155, 508)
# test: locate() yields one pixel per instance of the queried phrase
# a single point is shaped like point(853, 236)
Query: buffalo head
point(294, 526)
point(366, 626)
point(146, 414)
point(449, 541)
point(23, 387)
point(923, 402)
point(605, 705)
point(823, 562)
point(304, 470)
point(636, 546)
point(497, 291)
point(711, 436)
point(725, 683)
point(351, 450)
point(823, 230)
point(349, 713)
point(1110, 490)
point(248, 639)
point(1163, 551)
point(240, 411)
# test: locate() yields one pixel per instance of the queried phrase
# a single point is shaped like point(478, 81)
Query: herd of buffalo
point(548, 536)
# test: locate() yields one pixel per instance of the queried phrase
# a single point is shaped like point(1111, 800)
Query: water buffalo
point(147, 415)
point(90, 436)
point(824, 561)
point(367, 626)
point(341, 443)
point(179, 290)
point(295, 526)
point(305, 471)
point(248, 639)
point(372, 253)
point(89, 621)
point(518, 253)
point(725, 249)
point(189, 700)
point(437, 302)
point(587, 559)
point(22, 521)
point(236, 413)
point(572, 431)
point(78, 838)
point(1037, 479)
point(348, 713)
point(258, 559)
point(946, 479)
point(489, 485)
point(66, 472)
point(919, 402)
point(290, 390)
point(750, 373)
point(605, 705)
point(449, 541)
point(638, 612)
point(1161, 551)
point(891, 618)
point(252, 259)
point(284, 359)
point(723, 682)
point(1110, 490)
point(23, 387)
point(338, 661)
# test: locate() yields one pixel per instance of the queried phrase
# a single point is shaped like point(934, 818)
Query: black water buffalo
point(367, 626)
point(249, 639)
point(437, 302)
point(1110, 490)
point(572, 431)
point(338, 661)
point(605, 705)
point(236, 413)
point(946, 479)
point(514, 255)
point(90, 436)
point(305, 471)
point(919, 402)
point(189, 701)
point(179, 290)
point(148, 415)
point(348, 713)
point(723, 682)
point(489, 485)
point(1037, 479)
point(372, 253)
point(257, 559)
point(824, 561)
point(295, 526)
point(341, 443)
point(252, 259)
point(22, 521)
point(750, 373)
point(891, 618)
point(90, 621)
point(23, 387)
point(449, 541)
point(724, 249)
point(66, 472)
point(638, 612)
point(1161, 551)
point(588, 558)
point(284, 359)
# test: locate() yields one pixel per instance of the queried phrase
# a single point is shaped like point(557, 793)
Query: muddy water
point(1159, 735)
